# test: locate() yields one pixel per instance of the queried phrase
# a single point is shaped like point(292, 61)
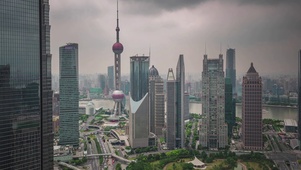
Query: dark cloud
point(266, 33)
point(266, 2)
point(155, 7)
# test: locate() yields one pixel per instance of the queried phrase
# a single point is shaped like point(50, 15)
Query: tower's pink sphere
point(118, 95)
point(117, 48)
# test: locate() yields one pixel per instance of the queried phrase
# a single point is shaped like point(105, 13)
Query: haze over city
point(265, 33)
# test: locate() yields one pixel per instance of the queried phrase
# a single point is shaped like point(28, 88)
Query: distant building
point(111, 77)
point(69, 95)
point(56, 104)
point(90, 108)
point(101, 81)
point(213, 129)
point(252, 110)
point(175, 100)
point(156, 102)
point(230, 68)
point(125, 87)
point(139, 102)
point(290, 126)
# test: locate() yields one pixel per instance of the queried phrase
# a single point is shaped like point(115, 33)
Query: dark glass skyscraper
point(230, 68)
point(26, 134)
point(69, 95)
point(229, 106)
point(180, 79)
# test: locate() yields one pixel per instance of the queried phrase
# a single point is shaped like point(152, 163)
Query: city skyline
point(257, 31)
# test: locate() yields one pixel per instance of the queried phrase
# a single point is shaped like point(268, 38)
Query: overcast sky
point(267, 33)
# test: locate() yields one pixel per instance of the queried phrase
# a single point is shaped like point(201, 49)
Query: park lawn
point(252, 165)
point(214, 163)
point(169, 166)
point(155, 163)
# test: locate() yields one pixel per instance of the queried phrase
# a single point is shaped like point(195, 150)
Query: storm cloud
point(267, 33)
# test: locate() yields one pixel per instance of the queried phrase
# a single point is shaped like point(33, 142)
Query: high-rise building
point(230, 68)
point(69, 95)
point(230, 106)
point(252, 110)
point(26, 134)
point(213, 129)
point(139, 102)
point(111, 77)
point(175, 99)
point(117, 95)
point(156, 102)
point(299, 96)
point(102, 81)
point(171, 110)
point(180, 79)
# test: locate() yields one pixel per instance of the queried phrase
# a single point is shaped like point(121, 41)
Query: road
point(94, 160)
point(283, 159)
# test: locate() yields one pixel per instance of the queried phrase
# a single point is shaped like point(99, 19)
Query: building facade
point(180, 78)
point(69, 95)
point(230, 106)
point(111, 77)
point(139, 102)
point(171, 110)
point(26, 131)
point(175, 99)
point(156, 102)
point(186, 106)
point(299, 95)
point(213, 129)
point(252, 110)
point(230, 68)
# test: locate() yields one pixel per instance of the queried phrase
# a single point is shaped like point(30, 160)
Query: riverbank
point(264, 105)
point(276, 106)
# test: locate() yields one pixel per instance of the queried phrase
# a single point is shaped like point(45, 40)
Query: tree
point(118, 166)
point(187, 166)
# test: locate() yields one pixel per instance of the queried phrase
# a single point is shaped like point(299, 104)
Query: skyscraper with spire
point(117, 95)
point(252, 110)
point(175, 101)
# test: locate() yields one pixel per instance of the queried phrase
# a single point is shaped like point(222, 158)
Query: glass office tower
point(26, 137)
point(69, 95)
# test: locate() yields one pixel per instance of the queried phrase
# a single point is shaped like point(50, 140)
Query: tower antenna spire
point(117, 28)
point(205, 49)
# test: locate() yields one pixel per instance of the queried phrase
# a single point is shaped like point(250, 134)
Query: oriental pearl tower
point(117, 95)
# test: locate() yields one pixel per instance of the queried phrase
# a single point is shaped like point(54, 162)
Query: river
point(267, 112)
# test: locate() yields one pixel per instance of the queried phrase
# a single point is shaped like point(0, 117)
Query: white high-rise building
point(213, 129)
point(156, 102)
